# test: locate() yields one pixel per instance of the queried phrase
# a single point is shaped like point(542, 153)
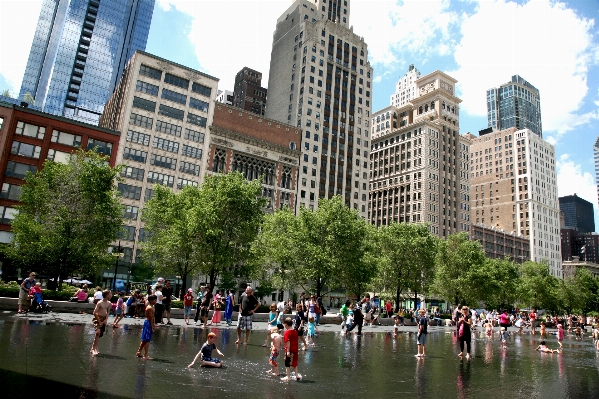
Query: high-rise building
point(596, 158)
point(578, 213)
point(405, 89)
point(514, 189)
point(79, 52)
point(419, 169)
point(515, 104)
point(321, 80)
point(248, 92)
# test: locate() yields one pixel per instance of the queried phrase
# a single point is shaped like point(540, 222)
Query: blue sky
point(482, 43)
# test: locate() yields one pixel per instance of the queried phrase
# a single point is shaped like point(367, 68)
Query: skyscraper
point(79, 52)
point(596, 158)
point(320, 80)
point(248, 92)
point(515, 104)
point(405, 89)
point(578, 213)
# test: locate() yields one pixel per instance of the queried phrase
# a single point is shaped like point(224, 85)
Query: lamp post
point(119, 254)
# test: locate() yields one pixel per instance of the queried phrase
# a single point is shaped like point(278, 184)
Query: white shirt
point(158, 296)
point(98, 295)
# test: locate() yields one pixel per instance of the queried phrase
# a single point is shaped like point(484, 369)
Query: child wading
point(101, 318)
point(291, 350)
point(148, 328)
point(120, 310)
point(206, 353)
point(275, 347)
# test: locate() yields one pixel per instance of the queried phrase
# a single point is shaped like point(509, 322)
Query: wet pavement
point(47, 354)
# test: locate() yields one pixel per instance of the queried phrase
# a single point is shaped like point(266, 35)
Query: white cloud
point(542, 41)
point(18, 20)
point(571, 179)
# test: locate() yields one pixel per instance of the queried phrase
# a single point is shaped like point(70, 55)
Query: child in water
point(543, 330)
point(560, 335)
point(489, 329)
point(504, 336)
point(206, 353)
point(275, 347)
point(311, 331)
point(543, 348)
point(395, 325)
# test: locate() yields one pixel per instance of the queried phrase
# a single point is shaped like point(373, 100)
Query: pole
point(116, 264)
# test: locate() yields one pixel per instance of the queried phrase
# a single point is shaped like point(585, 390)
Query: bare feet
point(138, 354)
point(460, 354)
point(298, 376)
point(94, 352)
point(468, 356)
point(237, 342)
point(245, 342)
point(190, 366)
point(147, 358)
point(285, 379)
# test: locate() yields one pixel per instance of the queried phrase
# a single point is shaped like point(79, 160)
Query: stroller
point(38, 305)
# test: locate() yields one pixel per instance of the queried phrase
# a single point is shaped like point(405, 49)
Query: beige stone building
point(419, 169)
point(514, 189)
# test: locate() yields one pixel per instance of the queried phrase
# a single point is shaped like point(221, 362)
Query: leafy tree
point(537, 287)
point(358, 274)
point(28, 98)
point(69, 215)
point(578, 292)
point(497, 281)
point(6, 93)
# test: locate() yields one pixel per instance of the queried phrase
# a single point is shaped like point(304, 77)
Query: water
point(38, 357)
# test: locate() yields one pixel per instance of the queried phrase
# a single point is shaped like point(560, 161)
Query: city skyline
point(448, 36)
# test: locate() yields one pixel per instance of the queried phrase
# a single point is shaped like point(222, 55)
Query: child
point(560, 335)
point(275, 346)
point(206, 353)
point(291, 350)
point(311, 330)
point(489, 329)
point(519, 323)
point(120, 310)
point(35, 294)
point(100, 319)
point(543, 347)
point(504, 336)
point(344, 312)
point(272, 322)
point(148, 328)
point(578, 332)
point(543, 330)
point(395, 326)
point(299, 321)
point(349, 319)
point(188, 303)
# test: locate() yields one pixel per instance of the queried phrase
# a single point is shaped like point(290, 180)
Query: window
point(139, 138)
point(200, 89)
point(141, 120)
point(148, 196)
point(26, 129)
point(126, 233)
point(72, 140)
point(171, 112)
point(133, 173)
point(187, 167)
point(174, 96)
point(101, 147)
point(150, 72)
point(135, 155)
point(7, 214)
point(130, 212)
point(198, 104)
point(129, 191)
point(58, 156)
point(168, 128)
point(176, 81)
point(163, 162)
point(185, 182)
point(10, 191)
point(25, 150)
point(147, 88)
point(192, 135)
point(144, 104)
point(196, 119)
point(161, 178)
point(166, 145)
point(191, 152)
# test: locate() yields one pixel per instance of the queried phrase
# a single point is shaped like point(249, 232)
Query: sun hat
point(189, 290)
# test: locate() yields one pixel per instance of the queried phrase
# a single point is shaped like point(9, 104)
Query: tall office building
point(515, 104)
point(578, 213)
point(320, 80)
point(79, 52)
point(596, 158)
point(420, 165)
point(405, 89)
point(514, 189)
point(248, 92)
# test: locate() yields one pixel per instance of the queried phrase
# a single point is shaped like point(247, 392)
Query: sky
point(552, 44)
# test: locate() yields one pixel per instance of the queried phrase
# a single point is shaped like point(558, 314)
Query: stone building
point(499, 244)
point(248, 93)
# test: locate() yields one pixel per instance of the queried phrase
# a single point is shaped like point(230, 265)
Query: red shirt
point(291, 337)
point(188, 300)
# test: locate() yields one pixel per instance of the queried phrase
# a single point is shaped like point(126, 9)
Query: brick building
point(499, 244)
point(248, 93)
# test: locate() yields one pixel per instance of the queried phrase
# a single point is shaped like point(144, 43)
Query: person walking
point(249, 306)
point(187, 303)
point(24, 292)
point(199, 304)
point(464, 332)
point(205, 306)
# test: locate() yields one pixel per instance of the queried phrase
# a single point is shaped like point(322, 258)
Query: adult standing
point(249, 305)
point(24, 292)
point(422, 333)
point(205, 306)
point(229, 304)
point(167, 296)
point(464, 332)
point(199, 303)
point(504, 319)
point(389, 308)
point(159, 306)
point(320, 310)
point(533, 321)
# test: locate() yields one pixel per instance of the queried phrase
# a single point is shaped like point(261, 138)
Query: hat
point(160, 279)
point(189, 290)
point(502, 328)
point(560, 326)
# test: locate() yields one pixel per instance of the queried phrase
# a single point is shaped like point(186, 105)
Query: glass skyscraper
point(79, 52)
point(515, 104)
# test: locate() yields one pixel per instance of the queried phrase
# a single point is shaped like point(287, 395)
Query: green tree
point(28, 98)
point(578, 293)
point(6, 93)
point(457, 260)
point(538, 288)
point(497, 281)
point(70, 214)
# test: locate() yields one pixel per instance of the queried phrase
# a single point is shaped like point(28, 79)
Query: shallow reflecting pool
point(38, 358)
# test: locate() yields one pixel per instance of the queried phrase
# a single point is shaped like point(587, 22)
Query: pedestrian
point(533, 321)
point(272, 322)
point(299, 324)
point(148, 328)
point(395, 326)
point(312, 331)
point(101, 312)
point(249, 306)
point(349, 320)
point(464, 333)
point(489, 328)
point(206, 353)
point(199, 304)
point(24, 293)
point(291, 350)
point(422, 333)
point(187, 303)
point(205, 306)
point(217, 303)
point(167, 296)
point(229, 304)
point(560, 335)
point(275, 347)
point(543, 331)
point(320, 310)
point(389, 308)
point(312, 304)
point(120, 310)
point(504, 319)
point(159, 307)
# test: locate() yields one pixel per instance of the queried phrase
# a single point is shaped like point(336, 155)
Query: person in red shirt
point(389, 308)
point(188, 303)
point(533, 321)
point(291, 340)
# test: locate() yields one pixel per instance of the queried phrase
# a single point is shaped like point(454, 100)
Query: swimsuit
point(146, 332)
point(272, 360)
point(99, 323)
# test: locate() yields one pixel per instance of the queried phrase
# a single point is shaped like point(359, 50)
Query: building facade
point(248, 93)
point(581, 244)
point(514, 189)
point(578, 213)
point(405, 89)
point(79, 52)
point(420, 169)
point(596, 159)
point(321, 81)
point(255, 146)
point(515, 104)
point(499, 244)
point(28, 138)
point(225, 97)
point(163, 111)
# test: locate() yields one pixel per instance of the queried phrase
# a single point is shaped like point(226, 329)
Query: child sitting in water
point(206, 353)
point(543, 348)
point(275, 347)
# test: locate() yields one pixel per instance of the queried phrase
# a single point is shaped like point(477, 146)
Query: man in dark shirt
point(249, 305)
point(422, 333)
point(205, 305)
point(167, 294)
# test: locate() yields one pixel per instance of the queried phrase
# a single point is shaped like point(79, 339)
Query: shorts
point(211, 359)
point(422, 338)
point(146, 332)
point(289, 362)
point(167, 305)
point(24, 297)
point(272, 360)
point(119, 311)
point(203, 311)
point(97, 325)
point(187, 311)
point(244, 323)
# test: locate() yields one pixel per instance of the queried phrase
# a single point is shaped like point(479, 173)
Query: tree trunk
point(212, 277)
point(397, 294)
point(415, 299)
point(183, 286)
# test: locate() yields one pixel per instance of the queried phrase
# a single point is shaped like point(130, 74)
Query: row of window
point(177, 81)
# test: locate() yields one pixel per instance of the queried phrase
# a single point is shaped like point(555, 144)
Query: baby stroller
point(38, 305)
